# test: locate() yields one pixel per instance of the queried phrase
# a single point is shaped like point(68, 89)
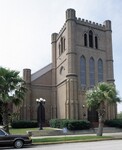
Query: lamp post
point(40, 112)
point(84, 114)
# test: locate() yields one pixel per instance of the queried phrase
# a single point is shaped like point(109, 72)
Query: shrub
point(55, 123)
point(24, 124)
point(114, 123)
point(70, 124)
point(64, 123)
point(78, 125)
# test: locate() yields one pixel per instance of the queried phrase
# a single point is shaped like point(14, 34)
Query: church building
point(81, 57)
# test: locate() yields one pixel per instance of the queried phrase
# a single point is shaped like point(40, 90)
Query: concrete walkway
point(62, 132)
point(116, 135)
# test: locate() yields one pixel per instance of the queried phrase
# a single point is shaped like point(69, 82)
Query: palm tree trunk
point(5, 117)
point(100, 127)
point(101, 114)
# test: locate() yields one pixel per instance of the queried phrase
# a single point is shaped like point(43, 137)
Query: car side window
point(1, 133)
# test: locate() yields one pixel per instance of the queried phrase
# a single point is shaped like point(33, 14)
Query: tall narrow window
point(85, 39)
point(83, 71)
point(61, 45)
point(90, 39)
point(100, 70)
point(92, 71)
point(64, 44)
point(96, 42)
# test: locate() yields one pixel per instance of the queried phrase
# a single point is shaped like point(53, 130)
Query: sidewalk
point(57, 132)
point(115, 133)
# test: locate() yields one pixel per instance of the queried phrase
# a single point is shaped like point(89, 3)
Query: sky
point(26, 27)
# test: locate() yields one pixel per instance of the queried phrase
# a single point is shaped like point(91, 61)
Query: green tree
point(119, 115)
point(12, 91)
point(101, 95)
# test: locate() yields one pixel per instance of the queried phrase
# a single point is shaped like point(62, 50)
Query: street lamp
point(84, 114)
point(40, 112)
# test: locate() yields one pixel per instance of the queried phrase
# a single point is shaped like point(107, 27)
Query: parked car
point(13, 140)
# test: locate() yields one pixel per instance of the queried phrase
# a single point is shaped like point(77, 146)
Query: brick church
point(81, 57)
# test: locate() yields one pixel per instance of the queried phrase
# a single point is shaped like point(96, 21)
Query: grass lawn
point(24, 130)
point(21, 130)
point(70, 139)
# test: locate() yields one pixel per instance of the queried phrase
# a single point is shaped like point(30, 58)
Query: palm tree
point(12, 91)
point(98, 97)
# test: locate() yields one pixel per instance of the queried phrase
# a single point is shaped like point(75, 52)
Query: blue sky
point(26, 27)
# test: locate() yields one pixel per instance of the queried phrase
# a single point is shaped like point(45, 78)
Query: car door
point(4, 138)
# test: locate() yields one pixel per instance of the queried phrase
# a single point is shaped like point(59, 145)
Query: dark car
point(13, 140)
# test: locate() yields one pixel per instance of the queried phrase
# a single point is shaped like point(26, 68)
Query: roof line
point(40, 72)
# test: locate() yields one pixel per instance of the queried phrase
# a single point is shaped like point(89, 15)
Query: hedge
point(114, 123)
point(78, 125)
point(24, 124)
point(70, 124)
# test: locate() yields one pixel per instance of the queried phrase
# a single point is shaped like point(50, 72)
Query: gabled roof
point(41, 72)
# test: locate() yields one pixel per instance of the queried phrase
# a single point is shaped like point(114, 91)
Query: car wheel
point(18, 144)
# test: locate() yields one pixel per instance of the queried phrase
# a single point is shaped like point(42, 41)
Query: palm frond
point(101, 93)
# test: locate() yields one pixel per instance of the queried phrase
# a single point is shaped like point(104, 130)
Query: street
point(108, 145)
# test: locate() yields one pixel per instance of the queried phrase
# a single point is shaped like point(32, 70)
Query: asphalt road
point(100, 145)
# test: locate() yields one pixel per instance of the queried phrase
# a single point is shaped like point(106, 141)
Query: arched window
point(83, 71)
point(96, 42)
point(100, 70)
point(61, 70)
point(92, 71)
point(62, 45)
point(90, 39)
point(85, 39)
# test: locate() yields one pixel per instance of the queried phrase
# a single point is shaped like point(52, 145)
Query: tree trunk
point(5, 117)
point(101, 114)
point(100, 127)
